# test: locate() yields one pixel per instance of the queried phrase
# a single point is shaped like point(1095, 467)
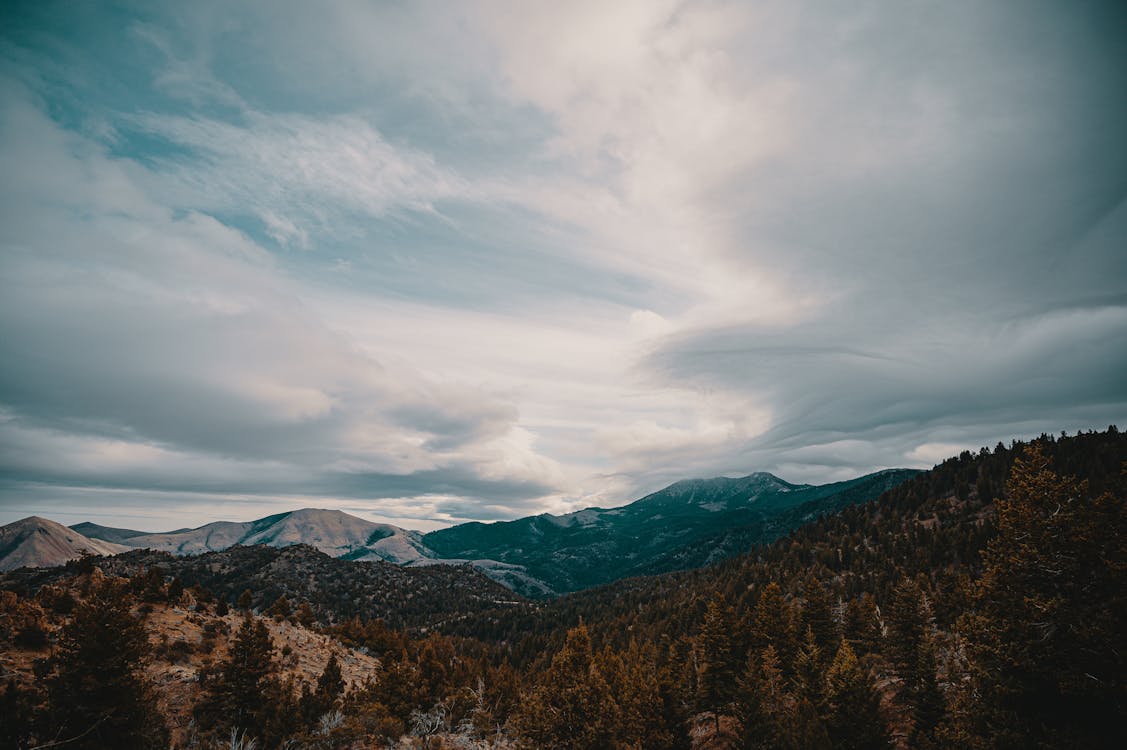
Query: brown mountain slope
point(36, 542)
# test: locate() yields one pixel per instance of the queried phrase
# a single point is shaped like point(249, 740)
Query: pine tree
point(905, 633)
point(717, 681)
point(772, 624)
point(237, 697)
point(809, 671)
point(572, 707)
point(246, 601)
point(330, 689)
point(853, 708)
point(305, 616)
point(862, 624)
point(928, 706)
point(1048, 634)
point(280, 608)
point(98, 695)
point(817, 614)
point(649, 714)
point(280, 715)
point(764, 706)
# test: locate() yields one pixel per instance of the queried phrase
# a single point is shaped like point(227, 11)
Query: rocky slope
point(186, 637)
point(37, 542)
point(336, 589)
point(688, 524)
point(333, 532)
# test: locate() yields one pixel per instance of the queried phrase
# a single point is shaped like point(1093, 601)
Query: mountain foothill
point(979, 604)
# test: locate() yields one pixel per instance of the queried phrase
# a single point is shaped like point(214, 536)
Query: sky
point(432, 262)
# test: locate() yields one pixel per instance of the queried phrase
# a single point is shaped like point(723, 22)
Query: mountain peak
point(37, 542)
point(331, 531)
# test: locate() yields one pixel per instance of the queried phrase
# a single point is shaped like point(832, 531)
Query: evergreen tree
point(717, 682)
point(928, 705)
point(806, 730)
point(764, 704)
point(906, 630)
point(1048, 634)
point(330, 689)
point(280, 715)
point(772, 624)
point(862, 624)
point(305, 616)
point(817, 614)
point(280, 608)
point(237, 697)
point(853, 709)
point(175, 591)
point(809, 672)
point(571, 708)
point(246, 601)
point(98, 695)
point(649, 714)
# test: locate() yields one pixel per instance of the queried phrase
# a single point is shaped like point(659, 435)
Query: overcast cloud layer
point(435, 262)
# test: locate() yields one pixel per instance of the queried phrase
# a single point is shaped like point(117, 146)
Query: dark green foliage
point(98, 696)
point(237, 693)
point(927, 703)
point(305, 616)
point(710, 519)
point(650, 712)
point(862, 624)
point(149, 584)
point(911, 649)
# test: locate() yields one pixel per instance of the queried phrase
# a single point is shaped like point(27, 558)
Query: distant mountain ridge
point(690, 523)
point(36, 542)
point(660, 532)
point(333, 532)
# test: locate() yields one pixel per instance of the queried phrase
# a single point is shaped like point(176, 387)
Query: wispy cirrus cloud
point(296, 173)
point(550, 255)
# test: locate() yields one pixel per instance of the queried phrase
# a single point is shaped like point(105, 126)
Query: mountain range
point(690, 523)
point(36, 542)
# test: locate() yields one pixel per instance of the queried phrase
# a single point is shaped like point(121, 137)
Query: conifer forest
point(981, 604)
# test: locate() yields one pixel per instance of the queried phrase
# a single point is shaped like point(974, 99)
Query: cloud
point(480, 261)
point(295, 173)
point(147, 349)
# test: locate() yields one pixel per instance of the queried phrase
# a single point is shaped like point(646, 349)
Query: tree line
point(980, 605)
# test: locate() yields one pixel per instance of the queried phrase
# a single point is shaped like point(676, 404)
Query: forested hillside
point(688, 524)
point(978, 605)
point(335, 589)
